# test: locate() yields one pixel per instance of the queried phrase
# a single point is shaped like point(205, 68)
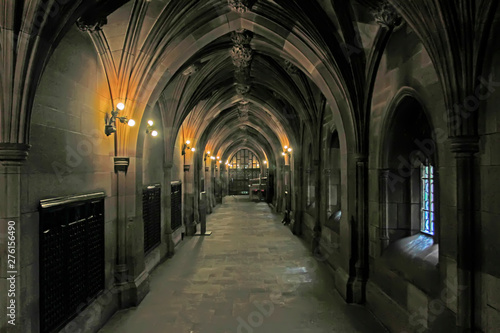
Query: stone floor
point(250, 276)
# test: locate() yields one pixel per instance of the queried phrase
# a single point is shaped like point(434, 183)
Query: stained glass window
point(427, 202)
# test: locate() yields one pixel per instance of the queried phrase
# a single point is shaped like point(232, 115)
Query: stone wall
point(70, 155)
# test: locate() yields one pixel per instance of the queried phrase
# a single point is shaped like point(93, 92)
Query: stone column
point(188, 200)
point(359, 230)
point(317, 197)
point(464, 149)
point(121, 268)
point(167, 204)
point(131, 277)
point(12, 157)
point(383, 199)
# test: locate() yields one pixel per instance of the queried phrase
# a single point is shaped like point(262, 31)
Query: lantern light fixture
point(110, 125)
point(187, 146)
point(286, 151)
point(150, 129)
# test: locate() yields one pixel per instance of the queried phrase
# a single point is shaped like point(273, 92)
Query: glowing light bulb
point(286, 147)
point(218, 157)
point(193, 149)
point(131, 122)
point(154, 133)
point(289, 150)
point(265, 162)
point(283, 153)
point(120, 106)
point(150, 122)
point(211, 157)
point(188, 142)
point(208, 153)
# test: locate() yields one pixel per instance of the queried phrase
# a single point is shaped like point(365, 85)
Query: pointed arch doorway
point(243, 166)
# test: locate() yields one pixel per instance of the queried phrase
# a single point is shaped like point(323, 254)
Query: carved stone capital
point(464, 145)
point(121, 164)
point(14, 152)
point(387, 16)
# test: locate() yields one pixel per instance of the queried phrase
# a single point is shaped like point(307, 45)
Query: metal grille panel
point(71, 258)
point(151, 212)
point(176, 205)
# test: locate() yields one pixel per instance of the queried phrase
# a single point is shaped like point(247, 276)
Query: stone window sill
point(416, 259)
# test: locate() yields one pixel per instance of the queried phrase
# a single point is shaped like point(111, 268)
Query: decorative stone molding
point(242, 75)
point(241, 37)
point(14, 152)
point(191, 70)
point(243, 110)
point(242, 56)
point(91, 25)
point(240, 6)
point(387, 16)
point(464, 145)
point(291, 68)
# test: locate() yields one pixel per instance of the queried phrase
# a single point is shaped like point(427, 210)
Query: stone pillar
point(317, 197)
point(167, 204)
point(12, 157)
point(383, 199)
point(299, 200)
point(359, 229)
point(131, 277)
point(121, 268)
point(464, 149)
point(188, 200)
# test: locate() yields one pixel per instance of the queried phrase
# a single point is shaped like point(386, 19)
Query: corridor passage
point(250, 276)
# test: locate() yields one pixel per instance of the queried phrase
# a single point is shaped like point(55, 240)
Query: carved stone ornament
point(242, 56)
point(239, 6)
point(91, 25)
point(242, 89)
point(191, 70)
point(244, 107)
point(241, 37)
point(387, 16)
point(291, 68)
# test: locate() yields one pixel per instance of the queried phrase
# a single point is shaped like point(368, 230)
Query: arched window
point(243, 166)
point(408, 179)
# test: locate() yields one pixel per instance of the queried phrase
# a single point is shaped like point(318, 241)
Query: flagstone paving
point(250, 276)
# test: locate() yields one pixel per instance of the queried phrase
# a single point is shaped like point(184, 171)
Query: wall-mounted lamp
point(286, 151)
point(212, 157)
point(187, 146)
point(151, 129)
point(265, 162)
point(207, 154)
point(110, 127)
